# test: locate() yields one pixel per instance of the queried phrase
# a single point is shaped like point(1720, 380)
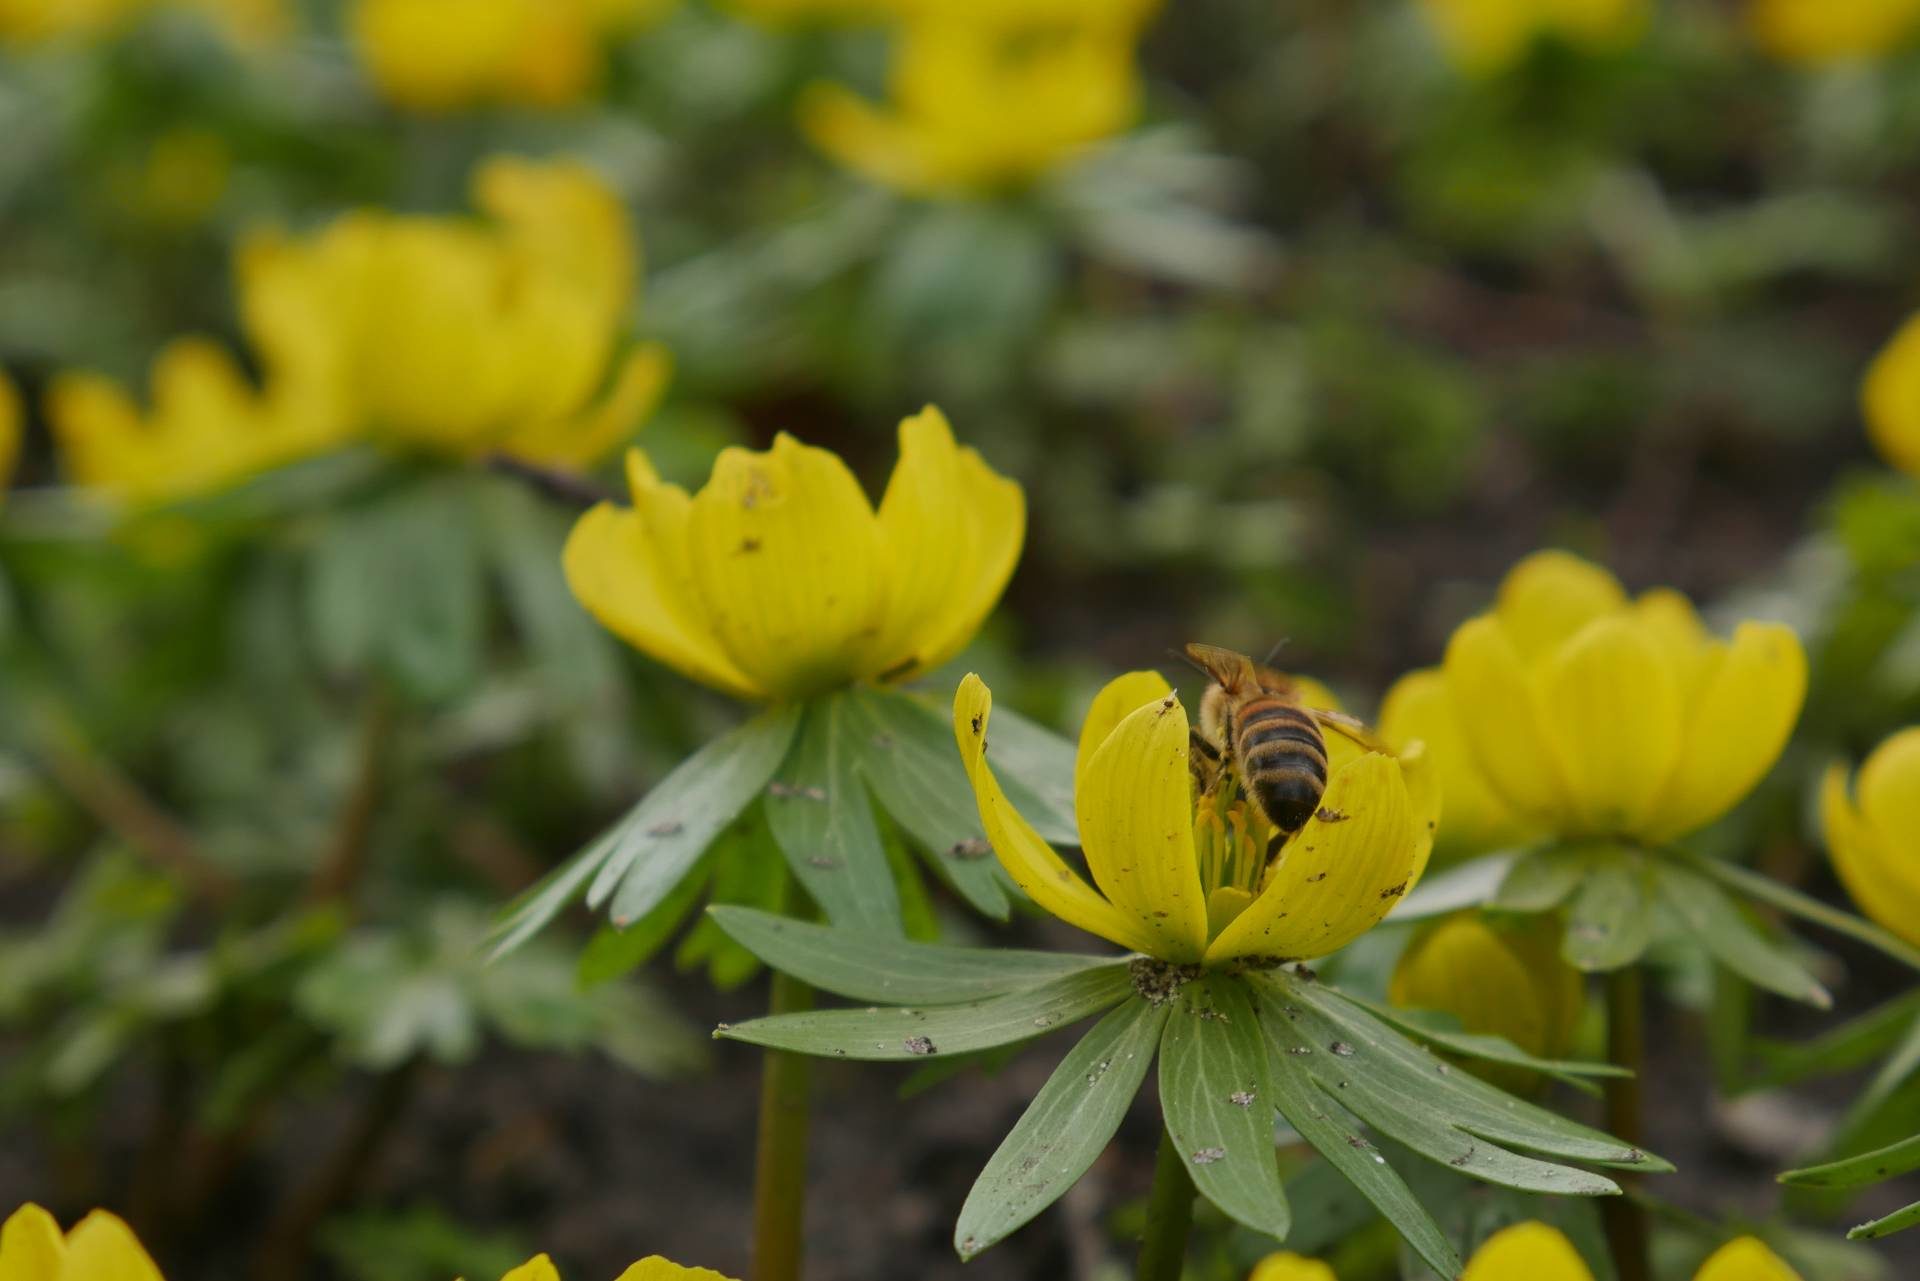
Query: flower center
point(1230, 838)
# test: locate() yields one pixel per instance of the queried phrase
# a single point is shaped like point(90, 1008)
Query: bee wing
point(1351, 727)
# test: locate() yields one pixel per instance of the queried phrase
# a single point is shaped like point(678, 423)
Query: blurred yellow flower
point(1890, 399)
point(1873, 835)
point(1506, 981)
point(447, 55)
point(779, 579)
point(1825, 31)
point(1533, 1251)
point(463, 337)
point(1592, 715)
point(1418, 707)
point(1482, 37)
point(1186, 877)
point(209, 428)
point(180, 180)
point(978, 104)
point(10, 429)
point(101, 1247)
point(652, 1268)
point(1286, 1266)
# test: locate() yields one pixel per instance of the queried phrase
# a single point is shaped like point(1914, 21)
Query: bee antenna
point(1274, 653)
point(1190, 661)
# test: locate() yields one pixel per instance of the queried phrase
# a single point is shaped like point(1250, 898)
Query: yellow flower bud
point(1826, 31)
point(10, 429)
point(1589, 714)
point(1502, 980)
point(1286, 1266)
point(1533, 1251)
point(1873, 835)
point(100, 1246)
point(652, 1268)
point(1890, 397)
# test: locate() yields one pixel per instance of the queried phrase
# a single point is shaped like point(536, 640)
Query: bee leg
point(1203, 761)
point(1274, 845)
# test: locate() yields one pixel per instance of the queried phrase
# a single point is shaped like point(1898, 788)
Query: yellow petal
point(1031, 862)
point(655, 1268)
point(1419, 708)
point(1501, 718)
point(584, 439)
point(1890, 396)
point(787, 561)
point(1890, 792)
point(103, 1248)
point(1134, 803)
point(1117, 699)
point(1745, 1259)
point(1668, 621)
point(1748, 698)
point(953, 530)
point(1424, 799)
point(10, 430)
point(1286, 1266)
point(628, 567)
point(31, 1247)
point(1611, 707)
point(864, 138)
point(1339, 874)
point(1548, 597)
point(538, 1268)
point(1528, 1251)
point(1878, 867)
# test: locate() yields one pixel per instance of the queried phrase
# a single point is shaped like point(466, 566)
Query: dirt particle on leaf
point(796, 790)
point(1160, 981)
point(1241, 1098)
point(1207, 1156)
point(824, 862)
point(972, 848)
point(669, 828)
point(918, 1045)
point(1342, 1049)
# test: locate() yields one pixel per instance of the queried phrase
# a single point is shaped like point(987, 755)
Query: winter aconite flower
point(1184, 878)
point(10, 429)
point(1419, 707)
point(1890, 397)
point(1832, 31)
point(1873, 833)
point(101, 1247)
point(449, 55)
point(245, 23)
point(779, 579)
point(652, 1268)
point(1499, 980)
point(1486, 36)
point(1533, 1251)
point(1592, 715)
point(985, 98)
point(463, 337)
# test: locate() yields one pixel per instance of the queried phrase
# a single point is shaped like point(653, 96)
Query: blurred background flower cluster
point(1298, 322)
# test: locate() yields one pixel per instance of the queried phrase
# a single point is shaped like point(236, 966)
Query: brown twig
point(346, 857)
point(118, 804)
point(562, 486)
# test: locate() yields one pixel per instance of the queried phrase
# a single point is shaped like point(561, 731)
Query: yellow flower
point(1890, 396)
point(1486, 36)
point(1286, 1266)
point(1825, 31)
point(446, 55)
point(1533, 1251)
point(100, 1248)
point(1506, 981)
point(1592, 715)
point(1418, 707)
point(1875, 841)
point(1186, 878)
point(651, 1268)
point(978, 105)
point(778, 579)
point(244, 22)
point(461, 337)
point(209, 428)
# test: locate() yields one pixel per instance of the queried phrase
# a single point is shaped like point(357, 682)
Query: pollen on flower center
point(1230, 840)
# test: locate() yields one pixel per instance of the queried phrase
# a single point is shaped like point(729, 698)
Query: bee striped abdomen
point(1283, 760)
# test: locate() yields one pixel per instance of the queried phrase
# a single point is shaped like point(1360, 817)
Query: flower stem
point(1625, 1218)
point(1163, 1250)
point(780, 1164)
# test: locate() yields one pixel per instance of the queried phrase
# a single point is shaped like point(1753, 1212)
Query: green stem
point(780, 1164)
point(1163, 1250)
point(1625, 1218)
point(1787, 899)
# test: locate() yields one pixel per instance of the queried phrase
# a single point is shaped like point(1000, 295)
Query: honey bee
point(1252, 719)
